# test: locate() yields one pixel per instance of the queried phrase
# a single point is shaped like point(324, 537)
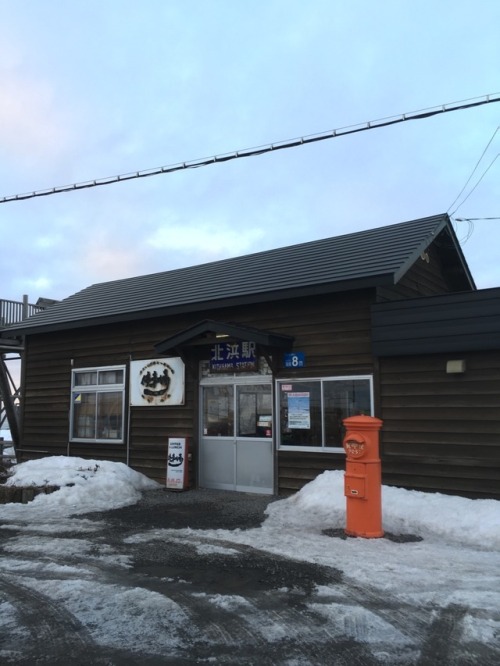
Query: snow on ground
point(456, 562)
point(85, 485)
point(321, 502)
point(454, 529)
point(89, 485)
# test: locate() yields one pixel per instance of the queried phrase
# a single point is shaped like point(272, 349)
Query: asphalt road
point(73, 599)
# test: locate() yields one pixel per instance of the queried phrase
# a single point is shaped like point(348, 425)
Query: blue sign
point(294, 360)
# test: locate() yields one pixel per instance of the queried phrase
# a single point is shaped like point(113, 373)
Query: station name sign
point(233, 357)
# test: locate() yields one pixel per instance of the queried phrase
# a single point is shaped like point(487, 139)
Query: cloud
point(212, 240)
point(164, 83)
point(38, 285)
point(49, 241)
point(102, 260)
point(31, 125)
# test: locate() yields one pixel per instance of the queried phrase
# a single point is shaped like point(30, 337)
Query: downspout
point(128, 412)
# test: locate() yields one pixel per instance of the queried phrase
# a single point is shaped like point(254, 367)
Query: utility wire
point(473, 219)
point(470, 223)
point(260, 150)
point(473, 172)
point(475, 186)
point(470, 230)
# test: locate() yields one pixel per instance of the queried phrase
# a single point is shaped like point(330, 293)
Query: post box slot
point(354, 486)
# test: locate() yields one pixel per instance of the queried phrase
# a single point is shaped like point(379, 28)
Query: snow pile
point(321, 505)
point(85, 485)
point(472, 522)
point(90, 485)
point(318, 505)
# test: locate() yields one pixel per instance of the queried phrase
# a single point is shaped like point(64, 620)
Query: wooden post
point(25, 307)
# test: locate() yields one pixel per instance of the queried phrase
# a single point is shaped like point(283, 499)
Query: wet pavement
point(108, 593)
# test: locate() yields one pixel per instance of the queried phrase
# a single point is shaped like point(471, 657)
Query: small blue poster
point(299, 410)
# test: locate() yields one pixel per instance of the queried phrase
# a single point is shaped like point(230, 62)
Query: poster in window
point(157, 382)
point(299, 410)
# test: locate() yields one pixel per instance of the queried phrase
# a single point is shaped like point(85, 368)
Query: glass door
point(217, 449)
point(254, 410)
point(236, 445)
point(218, 411)
point(254, 438)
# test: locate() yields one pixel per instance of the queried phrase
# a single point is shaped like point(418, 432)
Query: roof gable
point(226, 330)
point(363, 259)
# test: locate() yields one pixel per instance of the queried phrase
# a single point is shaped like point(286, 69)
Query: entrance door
point(236, 447)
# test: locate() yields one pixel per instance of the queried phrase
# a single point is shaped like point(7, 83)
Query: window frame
point(98, 389)
point(236, 381)
point(322, 380)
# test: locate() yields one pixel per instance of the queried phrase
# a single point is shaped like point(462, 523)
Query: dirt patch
point(23, 495)
point(242, 570)
point(197, 509)
point(397, 538)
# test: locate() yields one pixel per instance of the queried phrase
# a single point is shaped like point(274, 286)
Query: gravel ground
point(198, 509)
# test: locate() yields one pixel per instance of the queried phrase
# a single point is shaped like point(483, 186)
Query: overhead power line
point(261, 150)
point(470, 224)
point(473, 172)
point(475, 186)
point(472, 219)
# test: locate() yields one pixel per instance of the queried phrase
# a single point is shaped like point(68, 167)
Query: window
point(237, 410)
point(97, 404)
point(311, 411)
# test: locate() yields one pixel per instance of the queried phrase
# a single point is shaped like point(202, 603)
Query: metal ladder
point(10, 394)
point(11, 355)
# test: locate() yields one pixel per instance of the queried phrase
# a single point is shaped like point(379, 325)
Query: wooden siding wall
point(423, 279)
point(333, 331)
point(447, 323)
point(295, 470)
point(336, 341)
point(442, 431)
point(47, 387)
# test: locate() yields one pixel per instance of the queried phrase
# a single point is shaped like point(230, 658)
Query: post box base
point(365, 535)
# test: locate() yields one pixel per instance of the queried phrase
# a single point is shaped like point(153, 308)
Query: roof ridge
point(276, 250)
point(361, 259)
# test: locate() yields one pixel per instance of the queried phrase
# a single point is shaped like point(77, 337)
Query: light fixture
point(455, 367)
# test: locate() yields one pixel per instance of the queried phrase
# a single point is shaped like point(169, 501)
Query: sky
point(92, 90)
point(47, 547)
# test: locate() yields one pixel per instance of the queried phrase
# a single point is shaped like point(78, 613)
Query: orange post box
point(363, 477)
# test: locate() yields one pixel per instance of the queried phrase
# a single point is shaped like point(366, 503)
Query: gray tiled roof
point(366, 258)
